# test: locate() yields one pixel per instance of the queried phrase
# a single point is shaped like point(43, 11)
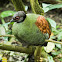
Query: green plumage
point(27, 32)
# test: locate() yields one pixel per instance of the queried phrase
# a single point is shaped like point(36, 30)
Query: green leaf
point(2, 30)
point(52, 37)
point(55, 31)
point(26, 8)
point(52, 22)
point(5, 25)
point(1, 56)
point(45, 5)
point(60, 59)
point(58, 45)
point(7, 13)
point(59, 36)
point(3, 21)
point(50, 58)
point(50, 7)
point(57, 26)
point(60, 30)
point(5, 39)
point(12, 23)
point(50, 46)
point(56, 53)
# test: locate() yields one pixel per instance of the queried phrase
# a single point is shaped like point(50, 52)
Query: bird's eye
point(17, 18)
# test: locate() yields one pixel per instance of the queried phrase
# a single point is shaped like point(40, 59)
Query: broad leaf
point(58, 45)
point(50, 46)
point(47, 7)
point(52, 22)
point(50, 58)
point(60, 59)
point(55, 31)
point(26, 8)
point(2, 30)
point(59, 36)
point(7, 13)
point(56, 53)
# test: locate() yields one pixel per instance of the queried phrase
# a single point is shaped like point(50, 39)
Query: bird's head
point(18, 17)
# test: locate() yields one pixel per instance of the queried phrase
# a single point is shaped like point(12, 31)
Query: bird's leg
point(31, 56)
point(37, 53)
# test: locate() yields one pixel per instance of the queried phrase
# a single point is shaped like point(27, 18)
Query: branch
point(6, 35)
point(20, 49)
point(51, 1)
point(36, 7)
point(18, 4)
point(53, 41)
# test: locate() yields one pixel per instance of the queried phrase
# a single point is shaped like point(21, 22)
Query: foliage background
point(52, 12)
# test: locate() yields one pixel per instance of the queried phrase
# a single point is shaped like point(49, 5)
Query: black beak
point(11, 20)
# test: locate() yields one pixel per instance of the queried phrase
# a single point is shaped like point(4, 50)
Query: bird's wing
point(43, 25)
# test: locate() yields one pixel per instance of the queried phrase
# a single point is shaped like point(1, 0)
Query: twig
point(53, 41)
point(6, 35)
point(51, 1)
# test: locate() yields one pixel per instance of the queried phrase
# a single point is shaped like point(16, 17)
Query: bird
point(30, 29)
